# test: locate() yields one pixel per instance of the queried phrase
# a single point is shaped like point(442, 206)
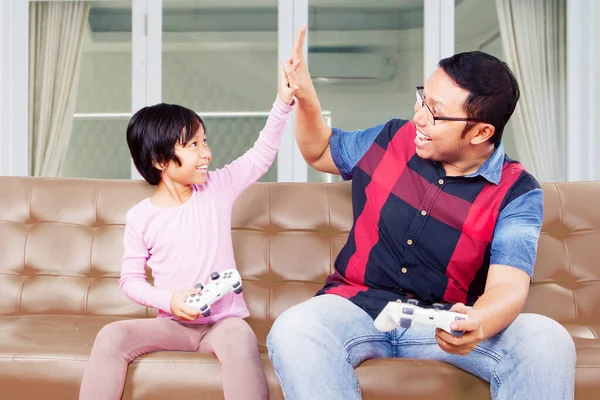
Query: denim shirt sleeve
point(347, 148)
point(517, 232)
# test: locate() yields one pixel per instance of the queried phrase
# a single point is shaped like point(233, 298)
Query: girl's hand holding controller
point(178, 307)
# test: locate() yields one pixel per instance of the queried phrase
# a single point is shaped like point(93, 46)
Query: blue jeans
point(314, 347)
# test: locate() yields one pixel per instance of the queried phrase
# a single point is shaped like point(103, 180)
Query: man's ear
point(482, 133)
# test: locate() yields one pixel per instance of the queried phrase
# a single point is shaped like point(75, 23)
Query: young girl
point(183, 233)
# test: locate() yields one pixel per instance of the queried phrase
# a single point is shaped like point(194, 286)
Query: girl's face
point(195, 157)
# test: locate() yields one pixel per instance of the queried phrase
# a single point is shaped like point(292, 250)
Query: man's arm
point(312, 133)
point(505, 294)
point(513, 256)
point(506, 290)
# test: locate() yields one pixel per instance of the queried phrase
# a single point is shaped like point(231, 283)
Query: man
point(440, 215)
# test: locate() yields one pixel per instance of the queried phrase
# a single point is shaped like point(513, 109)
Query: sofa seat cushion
point(587, 385)
point(55, 348)
point(583, 331)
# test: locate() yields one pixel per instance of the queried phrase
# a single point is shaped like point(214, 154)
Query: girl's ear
point(158, 166)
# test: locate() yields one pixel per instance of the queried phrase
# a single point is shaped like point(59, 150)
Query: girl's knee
point(235, 332)
point(114, 335)
point(109, 332)
point(246, 334)
point(232, 326)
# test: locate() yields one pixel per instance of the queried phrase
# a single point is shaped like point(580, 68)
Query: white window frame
point(299, 18)
point(14, 39)
point(438, 28)
point(285, 154)
point(146, 57)
point(583, 85)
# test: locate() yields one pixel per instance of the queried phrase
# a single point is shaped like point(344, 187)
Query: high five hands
point(295, 69)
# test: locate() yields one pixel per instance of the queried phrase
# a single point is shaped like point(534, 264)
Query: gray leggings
point(119, 343)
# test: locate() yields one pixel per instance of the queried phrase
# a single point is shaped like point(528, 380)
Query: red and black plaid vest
point(418, 233)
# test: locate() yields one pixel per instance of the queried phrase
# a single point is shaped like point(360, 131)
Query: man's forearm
point(312, 133)
point(499, 306)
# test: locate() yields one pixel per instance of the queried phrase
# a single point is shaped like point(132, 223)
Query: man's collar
point(491, 170)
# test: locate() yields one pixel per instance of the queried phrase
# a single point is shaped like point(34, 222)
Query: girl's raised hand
point(287, 89)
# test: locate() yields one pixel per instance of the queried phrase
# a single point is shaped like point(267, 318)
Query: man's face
point(441, 141)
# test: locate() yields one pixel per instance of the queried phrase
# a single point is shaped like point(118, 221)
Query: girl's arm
point(234, 178)
point(133, 271)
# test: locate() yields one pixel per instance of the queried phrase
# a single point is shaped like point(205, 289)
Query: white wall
point(583, 96)
point(597, 91)
point(13, 84)
point(4, 65)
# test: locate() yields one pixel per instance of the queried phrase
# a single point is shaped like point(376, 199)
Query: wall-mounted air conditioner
point(350, 67)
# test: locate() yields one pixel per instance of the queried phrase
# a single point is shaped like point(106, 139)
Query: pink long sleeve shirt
point(184, 244)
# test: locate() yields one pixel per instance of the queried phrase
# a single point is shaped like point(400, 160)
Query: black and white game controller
point(220, 285)
point(397, 313)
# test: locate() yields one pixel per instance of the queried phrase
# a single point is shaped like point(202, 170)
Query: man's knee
point(289, 327)
point(282, 329)
point(546, 339)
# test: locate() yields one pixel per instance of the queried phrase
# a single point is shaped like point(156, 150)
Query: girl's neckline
point(173, 207)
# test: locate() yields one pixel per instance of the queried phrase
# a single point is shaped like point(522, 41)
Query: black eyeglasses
point(432, 118)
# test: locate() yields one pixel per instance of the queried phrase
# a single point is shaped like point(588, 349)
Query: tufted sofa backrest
point(61, 242)
point(566, 284)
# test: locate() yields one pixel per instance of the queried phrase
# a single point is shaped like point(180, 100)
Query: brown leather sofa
point(60, 250)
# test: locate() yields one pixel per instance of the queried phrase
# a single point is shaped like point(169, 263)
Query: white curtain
point(56, 30)
point(534, 41)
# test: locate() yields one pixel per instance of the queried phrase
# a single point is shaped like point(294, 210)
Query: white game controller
point(220, 285)
point(396, 314)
